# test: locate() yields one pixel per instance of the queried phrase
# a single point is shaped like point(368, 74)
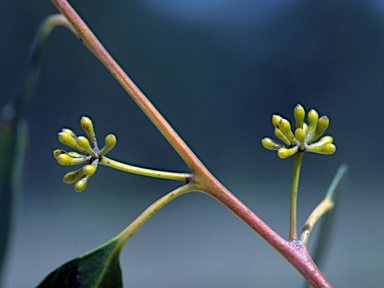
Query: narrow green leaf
point(97, 268)
point(13, 143)
point(6, 193)
point(334, 193)
point(334, 190)
point(13, 133)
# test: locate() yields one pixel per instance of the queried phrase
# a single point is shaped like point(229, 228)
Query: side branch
point(145, 171)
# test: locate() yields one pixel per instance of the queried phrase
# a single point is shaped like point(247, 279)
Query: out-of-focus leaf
point(13, 143)
point(13, 132)
point(6, 195)
point(333, 193)
point(325, 230)
point(98, 268)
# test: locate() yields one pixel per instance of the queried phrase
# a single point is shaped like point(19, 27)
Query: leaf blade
point(97, 268)
point(333, 194)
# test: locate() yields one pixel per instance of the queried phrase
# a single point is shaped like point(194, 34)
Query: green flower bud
point(87, 126)
point(279, 134)
point(300, 136)
point(84, 144)
point(89, 169)
point(67, 139)
point(66, 160)
point(73, 176)
point(313, 118)
point(58, 152)
point(285, 127)
point(287, 152)
point(81, 184)
point(110, 142)
point(276, 120)
point(299, 113)
point(322, 125)
point(268, 143)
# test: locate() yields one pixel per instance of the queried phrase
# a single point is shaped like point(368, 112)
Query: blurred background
point(217, 70)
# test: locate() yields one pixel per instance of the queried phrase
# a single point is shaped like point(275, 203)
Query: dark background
point(217, 70)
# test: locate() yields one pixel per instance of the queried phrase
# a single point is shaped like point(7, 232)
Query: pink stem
point(203, 180)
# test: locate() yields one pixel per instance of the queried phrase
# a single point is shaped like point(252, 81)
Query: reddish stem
point(295, 252)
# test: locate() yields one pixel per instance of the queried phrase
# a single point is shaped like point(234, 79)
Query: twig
point(203, 180)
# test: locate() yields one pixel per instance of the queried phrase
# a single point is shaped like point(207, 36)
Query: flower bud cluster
point(89, 155)
point(304, 137)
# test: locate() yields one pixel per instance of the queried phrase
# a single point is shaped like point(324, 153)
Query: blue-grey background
point(217, 70)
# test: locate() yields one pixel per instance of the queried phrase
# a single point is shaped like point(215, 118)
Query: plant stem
point(203, 180)
point(144, 171)
point(295, 252)
point(316, 214)
point(294, 190)
point(150, 211)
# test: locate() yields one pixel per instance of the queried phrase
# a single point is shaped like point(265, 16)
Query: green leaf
point(13, 143)
point(97, 268)
point(333, 193)
point(325, 230)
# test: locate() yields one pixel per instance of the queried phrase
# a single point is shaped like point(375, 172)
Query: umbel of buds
point(89, 155)
point(306, 137)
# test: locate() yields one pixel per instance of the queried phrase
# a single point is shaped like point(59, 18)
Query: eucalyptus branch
point(202, 179)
